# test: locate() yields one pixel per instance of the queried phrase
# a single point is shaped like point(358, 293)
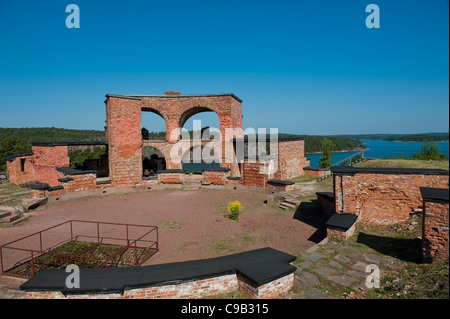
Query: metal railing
point(351, 163)
point(116, 244)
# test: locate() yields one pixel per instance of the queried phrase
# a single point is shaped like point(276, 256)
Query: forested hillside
point(51, 134)
point(313, 143)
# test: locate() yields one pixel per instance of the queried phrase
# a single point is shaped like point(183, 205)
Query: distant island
point(312, 142)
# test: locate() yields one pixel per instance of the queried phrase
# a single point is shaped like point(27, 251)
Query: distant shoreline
point(343, 151)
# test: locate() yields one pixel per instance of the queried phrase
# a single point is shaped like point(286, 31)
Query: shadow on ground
point(406, 249)
point(312, 214)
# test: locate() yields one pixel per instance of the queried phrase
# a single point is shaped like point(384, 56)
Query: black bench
point(341, 222)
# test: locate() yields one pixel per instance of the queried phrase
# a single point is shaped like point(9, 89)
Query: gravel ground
point(192, 224)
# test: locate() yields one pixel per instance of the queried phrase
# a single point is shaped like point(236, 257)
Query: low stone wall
point(260, 274)
point(316, 172)
point(383, 195)
point(171, 176)
point(190, 290)
point(435, 231)
point(267, 291)
point(215, 176)
point(344, 235)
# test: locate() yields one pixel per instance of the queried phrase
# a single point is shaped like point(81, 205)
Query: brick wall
point(213, 177)
point(123, 125)
point(171, 177)
point(382, 197)
point(344, 235)
point(79, 183)
point(188, 290)
point(40, 165)
point(435, 231)
point(253, 173)
point(291, 159)
point(20, 169)
point(267, 291)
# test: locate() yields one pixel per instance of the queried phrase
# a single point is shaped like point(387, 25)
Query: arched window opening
point(153, 125)
point(201, 123)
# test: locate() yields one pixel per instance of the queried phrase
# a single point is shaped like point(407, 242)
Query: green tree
point(12, 146)
point(430, 151)
point(327, 151)
point(79, 156)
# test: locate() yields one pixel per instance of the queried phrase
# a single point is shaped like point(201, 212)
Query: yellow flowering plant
point(235, 208)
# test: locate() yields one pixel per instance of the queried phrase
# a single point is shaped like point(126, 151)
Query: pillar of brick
point(124, 140)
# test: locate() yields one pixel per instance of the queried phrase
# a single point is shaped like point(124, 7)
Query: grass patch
point(166, 225)
point(236, 244)
point(402, 163)
point(12, 194)
point(303, 179)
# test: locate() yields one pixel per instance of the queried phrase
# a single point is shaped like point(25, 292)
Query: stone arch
point(150, 105)
point(191, 112)
point(123, 126)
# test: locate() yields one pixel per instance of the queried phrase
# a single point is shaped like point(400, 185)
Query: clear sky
point(305, 67)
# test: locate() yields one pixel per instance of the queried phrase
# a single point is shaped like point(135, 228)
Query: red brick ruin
point(375, 196)
point(47, 169)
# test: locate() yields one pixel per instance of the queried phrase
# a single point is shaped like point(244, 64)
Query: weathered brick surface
point(215, 178)
point(267, 291)
point(15, 173)
point(291, 159)
point(123, 129)
point(382, 198)
point(435, 231)
point(39, 166)
point(253, 173)
point(123, 125)
point(188, 290)
point(79, 183)
point(46, 159)
point(344, 235)
point(171, 178)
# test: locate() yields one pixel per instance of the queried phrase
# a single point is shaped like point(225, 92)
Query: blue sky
point(305, 67)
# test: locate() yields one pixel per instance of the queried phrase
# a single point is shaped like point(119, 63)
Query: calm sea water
point(377, 149)
point(383, 149)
